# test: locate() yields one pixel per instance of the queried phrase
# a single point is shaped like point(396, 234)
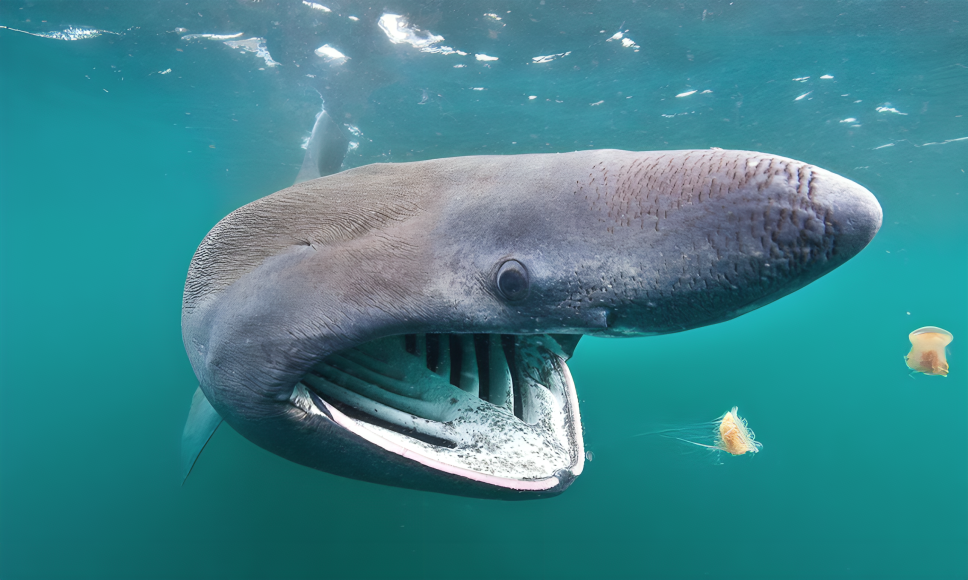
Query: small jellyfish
point(734, 436)
point(729, 433)
point(927, 351)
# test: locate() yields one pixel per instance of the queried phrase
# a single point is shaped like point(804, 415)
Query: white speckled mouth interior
point(500, 409)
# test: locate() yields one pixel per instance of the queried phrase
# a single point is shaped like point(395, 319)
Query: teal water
point(111, 173)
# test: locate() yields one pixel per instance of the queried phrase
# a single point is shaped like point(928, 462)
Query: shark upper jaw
point(499, 410)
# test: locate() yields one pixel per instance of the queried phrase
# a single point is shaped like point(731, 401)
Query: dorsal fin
point(325, 151)
point(202, 422)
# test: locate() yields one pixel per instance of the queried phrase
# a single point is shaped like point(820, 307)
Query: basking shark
point(410, 324)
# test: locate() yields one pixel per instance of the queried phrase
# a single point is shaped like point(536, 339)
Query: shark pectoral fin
point(202, 422)
point(567, 344)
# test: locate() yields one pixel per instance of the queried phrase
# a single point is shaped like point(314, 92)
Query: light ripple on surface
point(331, 55)
point(316, 6)
point(399, 31)
point(549, 57)
point(256, 45)
point(211, 36)
point(69, 33)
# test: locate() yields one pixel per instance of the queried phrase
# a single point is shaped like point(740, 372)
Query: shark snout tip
point(854, 213)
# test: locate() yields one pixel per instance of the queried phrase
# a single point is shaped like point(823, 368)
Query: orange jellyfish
point(729, 433)
point(927, 351)
point(735, 437)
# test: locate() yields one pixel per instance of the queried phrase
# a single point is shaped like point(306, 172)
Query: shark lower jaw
point(499, 410)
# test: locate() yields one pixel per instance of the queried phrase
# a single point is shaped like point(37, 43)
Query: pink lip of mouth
point(312, 405)
point(376, 439)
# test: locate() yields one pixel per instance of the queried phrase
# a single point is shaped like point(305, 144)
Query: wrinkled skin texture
point(615, 243)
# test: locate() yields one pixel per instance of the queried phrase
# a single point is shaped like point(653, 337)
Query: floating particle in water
point(928, 351)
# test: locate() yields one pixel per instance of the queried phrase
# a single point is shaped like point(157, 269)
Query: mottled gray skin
point(616, 243)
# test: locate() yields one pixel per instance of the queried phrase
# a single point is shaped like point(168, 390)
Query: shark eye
point(512, 280)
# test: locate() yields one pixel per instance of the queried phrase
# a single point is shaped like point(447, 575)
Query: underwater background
point(124, 139)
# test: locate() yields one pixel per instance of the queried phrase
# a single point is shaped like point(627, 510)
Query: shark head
point(410, 324)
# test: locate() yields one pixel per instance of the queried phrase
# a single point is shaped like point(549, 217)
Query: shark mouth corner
point(496, 409)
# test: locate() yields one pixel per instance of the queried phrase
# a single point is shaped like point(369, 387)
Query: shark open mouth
point(498, 409)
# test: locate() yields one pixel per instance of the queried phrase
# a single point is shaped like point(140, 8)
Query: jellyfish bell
point(735, 436)
point(928, 351)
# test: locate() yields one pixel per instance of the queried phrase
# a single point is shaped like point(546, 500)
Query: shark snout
point(785, 224)
point(852, 213)
point(826, 221)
